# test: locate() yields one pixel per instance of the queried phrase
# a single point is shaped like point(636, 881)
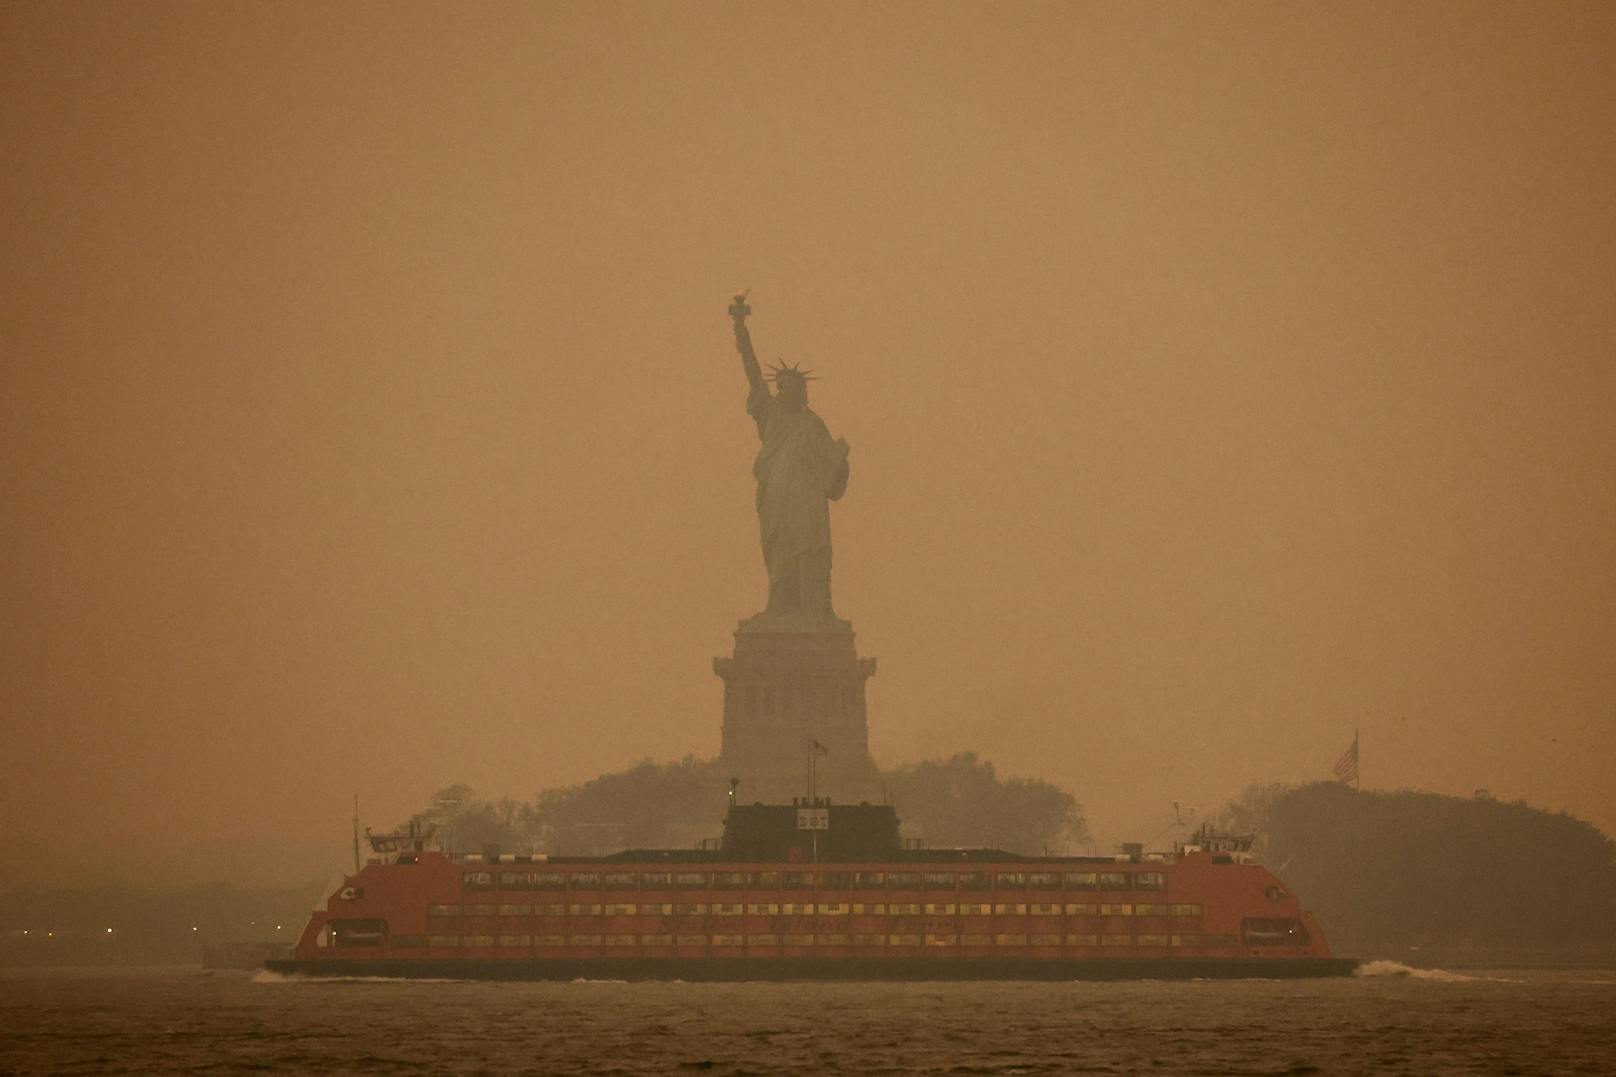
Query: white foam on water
point(265, 976)
point(1384, 967)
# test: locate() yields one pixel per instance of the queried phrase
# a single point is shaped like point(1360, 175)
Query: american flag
point(1346, 768)
point(820, 748)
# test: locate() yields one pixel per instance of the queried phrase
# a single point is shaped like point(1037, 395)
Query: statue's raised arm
point(738, 311)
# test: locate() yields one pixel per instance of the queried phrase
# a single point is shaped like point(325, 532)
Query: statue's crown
point(790, 370)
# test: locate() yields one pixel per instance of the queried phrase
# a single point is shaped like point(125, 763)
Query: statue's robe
point(799, 471)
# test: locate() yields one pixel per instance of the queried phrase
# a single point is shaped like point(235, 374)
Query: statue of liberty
point(799, 471)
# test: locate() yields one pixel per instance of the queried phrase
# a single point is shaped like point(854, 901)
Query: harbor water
point(1388, 1019)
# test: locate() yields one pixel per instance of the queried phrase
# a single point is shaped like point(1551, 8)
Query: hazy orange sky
point(1219, 378)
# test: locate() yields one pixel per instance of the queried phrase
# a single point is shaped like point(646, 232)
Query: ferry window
point(765, 908)
point(656, 940)
point(735, 910)
point(691, 940)
point(1046, 910)
point(1011, 880)
point(1113, 880)
point(1010, 940)
point(585, 940)
point(862, 909)
point(1082, 940)
point(869, 879)
point(838, 909)
point(1219, 940)
point(799, 940)
point(903, 940)
point(1116, 910)
point(939, 880)
point(477, 940)
point(903, 880)
point(797, 880)
point(833, 940)
point(1185, 910)
point(359, 932)
point(620, 940)
point(656, 909)
point(729, 880)
point(1186, 940)
point(1081, 880)
point(1150, 910)
point(1009, 910)
point(939, 909)
point(869, 940)
point(690, 910)
point(513, 880)
point(1275, 932)
point(976, 940)
point(443, 940)
point(836, 880)
point(941, 940)
point(1150, 880)
point(975, 880)
point(619, 910)
point(763, 880)
point(1046, 940)
point(550, 910)
point(690, 880)
point(516, 910)
point(619, 881)
point(516, 940)
point(904, 909)
point(1044, 880)
point(974, 908)
point(763, 940)
point(802, 909)
point(546, 880)
point(1082, 910)
point(551, 940)
point(584, 910)
point(655, 880)
point(443, 910)
point(479, 910)
point(478, 880)
point(1116, 940)
point(1152, 940)
point(585, 880)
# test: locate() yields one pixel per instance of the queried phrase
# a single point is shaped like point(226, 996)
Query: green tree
point(961, 801)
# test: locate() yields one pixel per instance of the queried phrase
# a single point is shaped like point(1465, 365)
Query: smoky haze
point(1218, 380)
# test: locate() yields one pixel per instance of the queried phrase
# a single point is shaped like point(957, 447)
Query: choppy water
point(1391, 1020)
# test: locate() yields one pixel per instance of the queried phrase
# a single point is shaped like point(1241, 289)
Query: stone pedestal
point(785, 689)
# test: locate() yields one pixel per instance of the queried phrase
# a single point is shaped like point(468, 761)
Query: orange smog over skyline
point(1219, 380)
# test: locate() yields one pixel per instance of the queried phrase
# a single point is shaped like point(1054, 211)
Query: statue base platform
point(791, 684)
point(795, 623)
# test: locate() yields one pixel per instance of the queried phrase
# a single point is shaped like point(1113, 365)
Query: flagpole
point(813, 752)
point(813, 793)
point(1357, 758)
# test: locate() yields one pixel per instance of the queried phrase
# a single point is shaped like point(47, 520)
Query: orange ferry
point(814, 891)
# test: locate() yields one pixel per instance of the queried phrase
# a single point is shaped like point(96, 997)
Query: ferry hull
point(732, 970)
